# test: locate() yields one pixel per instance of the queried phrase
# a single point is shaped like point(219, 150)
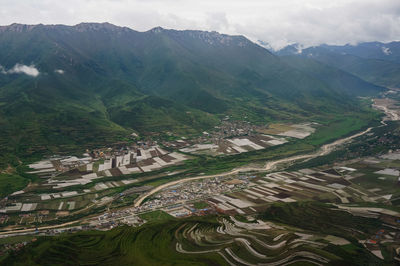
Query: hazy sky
point(277, 22)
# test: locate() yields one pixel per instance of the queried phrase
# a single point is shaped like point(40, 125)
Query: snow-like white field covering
point(41, 165)
point(392, 156)
point(129, 181)
point(89, 167)
point(149, 168)
point(71, 205)
point(100, 186)
point(388, 171)
point(14, 207)
point(160, 161)
point(134, 170)
point(45, 197)
point(300, 131)
point(48, 170)
point(80, 181)
point(336, 186)
point(124, 170)
point(163, 152)
point(18, 193)
point(178, 156)
point(199, 147)
point(245, 142)
point(275, 142)
point(348, 169)
point(69, 193)
point(26, 207)
point(90, 176)
point(239, 149)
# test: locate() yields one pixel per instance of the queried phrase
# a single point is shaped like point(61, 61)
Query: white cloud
point(386, 50)
point(21, 69)
point(278, 22)
point(59, 71)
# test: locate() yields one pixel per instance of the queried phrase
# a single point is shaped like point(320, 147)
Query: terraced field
point(251, 243)
point(216, 240)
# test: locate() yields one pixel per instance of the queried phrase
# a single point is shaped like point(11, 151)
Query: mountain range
point(63, 87)
point(375, 62)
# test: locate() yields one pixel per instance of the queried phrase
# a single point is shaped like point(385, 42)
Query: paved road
point(40, 228)
point(270, 165)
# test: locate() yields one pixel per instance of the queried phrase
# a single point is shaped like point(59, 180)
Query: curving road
point(270, 165)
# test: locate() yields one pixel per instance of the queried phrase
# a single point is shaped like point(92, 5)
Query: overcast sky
point(278, 22)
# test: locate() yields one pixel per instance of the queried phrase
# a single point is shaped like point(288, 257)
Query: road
point(20, 231)
point(270, 165)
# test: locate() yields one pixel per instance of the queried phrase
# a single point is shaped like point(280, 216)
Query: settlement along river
point(269, 166)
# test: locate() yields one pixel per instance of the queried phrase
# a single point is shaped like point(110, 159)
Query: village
point(109, 180)
point(70, 183)
point(348, 185)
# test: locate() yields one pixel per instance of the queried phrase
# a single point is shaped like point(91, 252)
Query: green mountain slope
point(98, 82)
point(365, 61)
point(335, 78)
point(168, 243)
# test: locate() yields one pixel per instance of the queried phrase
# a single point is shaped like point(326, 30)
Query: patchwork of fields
point(225, 240)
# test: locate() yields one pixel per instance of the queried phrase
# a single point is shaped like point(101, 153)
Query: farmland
point(70, 185)
point(211, 241)
point(273, 208)
point(98, 190)
point(193, 147)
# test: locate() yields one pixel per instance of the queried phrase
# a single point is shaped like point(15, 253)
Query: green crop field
point(155, 216)
point(10, 183)
point(196, 241)
point(200, 205)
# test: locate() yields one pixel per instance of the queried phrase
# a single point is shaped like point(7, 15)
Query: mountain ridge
point(375, 62)
point(111, 80)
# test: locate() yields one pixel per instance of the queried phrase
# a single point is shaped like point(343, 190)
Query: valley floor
point(242, 199)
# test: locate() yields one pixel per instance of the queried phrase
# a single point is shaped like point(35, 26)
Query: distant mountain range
point(90, 84)
point(375, 62)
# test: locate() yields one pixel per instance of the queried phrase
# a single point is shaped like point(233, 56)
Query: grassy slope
point(327, 132)
point(10, 183)
point(117, 80)
point(154, 243)
point(361, 147)
point(380, 72)
point(335, 78)
point(320, 217)
point(155, 216)
point(152, 82)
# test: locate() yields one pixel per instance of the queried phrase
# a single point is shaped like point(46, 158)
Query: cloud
point(21, 69)
point(307, 22)
point(59, 71)
point(386, 50)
